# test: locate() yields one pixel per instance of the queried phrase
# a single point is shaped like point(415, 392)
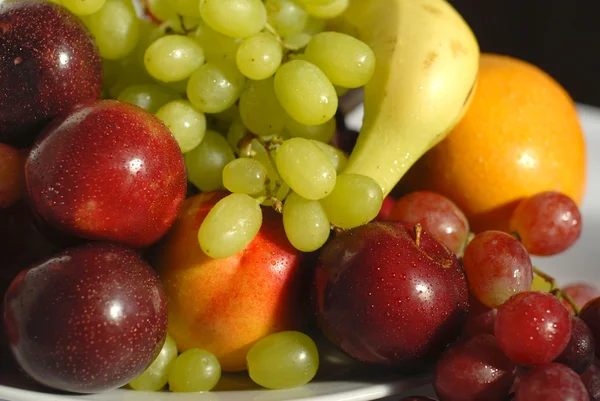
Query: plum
point(48, 64)
point(88, 319)
point(390, 295)
point(22, 242)
point(108, 171)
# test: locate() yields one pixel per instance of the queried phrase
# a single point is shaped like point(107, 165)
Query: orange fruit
point(520, 136)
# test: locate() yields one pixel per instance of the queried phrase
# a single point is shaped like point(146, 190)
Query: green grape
point(162, 10)
point(245, 176)
point(205, 162)
point(149, 33)
point(83, 7)
point(306, 168)
point(130, 70)
point(111, 69)
point(115, 28)
point(188, 8)
point(297, 41)
point(173, 58)
point(230, 226)
point(229, 115)
point(216, 45)
point(187, 124)
point(215, 86)
point(154, 378)
point(355, 201)
point(237, 131)
point(234, 18)
point(283, 191)
point(338, 158)
point(322, 132)
point(286, 16)
point(305, 222)
point(305, 92)
point(345, 60)
point(283, 360)
point(316, 2)
point(267, 160)
point(149, 96)
point(314, 26)
point(259, 108)
point(130, 74)
point(328, 11)
point(217, 125)
point(193, 371)
point(340, 91)
point(259, 56)
point(178, 86)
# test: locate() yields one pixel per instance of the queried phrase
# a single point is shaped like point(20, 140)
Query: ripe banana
point(427, 66)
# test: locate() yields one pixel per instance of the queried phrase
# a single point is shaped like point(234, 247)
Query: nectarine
point(226, 305)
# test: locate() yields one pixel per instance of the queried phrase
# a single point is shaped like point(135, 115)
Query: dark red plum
point(88, 319)
point(48, 64)
point(109, 171)
point(388, 296)
point(22, 243)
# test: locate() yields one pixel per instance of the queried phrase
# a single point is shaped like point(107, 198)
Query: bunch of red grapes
point(518, 344)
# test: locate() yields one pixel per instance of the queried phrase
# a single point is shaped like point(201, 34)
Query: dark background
point(560, 36)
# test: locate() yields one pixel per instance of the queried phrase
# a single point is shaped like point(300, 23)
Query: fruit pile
point(180, 199)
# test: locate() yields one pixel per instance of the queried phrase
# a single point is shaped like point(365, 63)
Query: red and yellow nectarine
point(226, 305)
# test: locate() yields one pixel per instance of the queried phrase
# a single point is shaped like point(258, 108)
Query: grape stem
point(182, 22)
point(269, 28)
point(557, 291)
point(277, 204)
point(245, 145)
point(338, 230)
point(168, 29)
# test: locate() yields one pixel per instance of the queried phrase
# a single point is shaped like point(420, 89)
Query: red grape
point(386, 208)
point(417, 398)
point(548, 223)
point(580, 293)
point(11, 174)
point(590, 314)
point(591, 381)
point(497, 267)
point(438, 215)
point(579, 353)
point(533, 328)
point(551, 382)
point(474, 370)
point(480, 319)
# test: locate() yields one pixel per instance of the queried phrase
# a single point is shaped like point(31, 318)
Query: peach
point(226, 305)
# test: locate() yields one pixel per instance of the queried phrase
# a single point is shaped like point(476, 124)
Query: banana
point(427, 66)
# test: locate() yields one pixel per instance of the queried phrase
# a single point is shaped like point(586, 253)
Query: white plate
point(580, 263)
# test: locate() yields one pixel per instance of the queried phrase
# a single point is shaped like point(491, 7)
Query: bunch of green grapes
point(249, 89)
point(281, 360)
